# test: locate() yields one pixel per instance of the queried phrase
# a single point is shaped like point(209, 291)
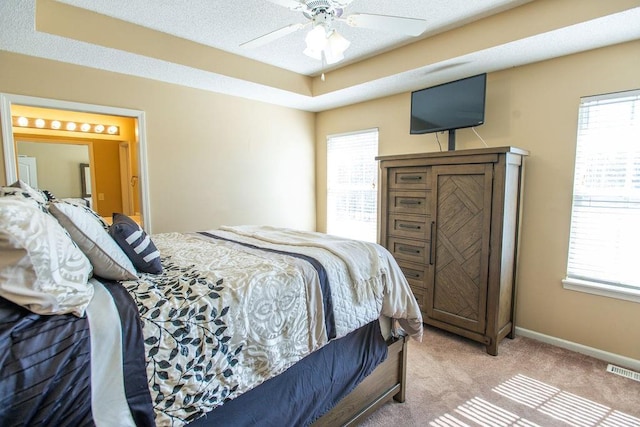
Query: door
point(461, 208)
point(28, 170)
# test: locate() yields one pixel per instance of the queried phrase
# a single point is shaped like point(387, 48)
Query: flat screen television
point(449, 106)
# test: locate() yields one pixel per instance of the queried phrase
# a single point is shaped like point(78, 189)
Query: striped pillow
point(136, 244)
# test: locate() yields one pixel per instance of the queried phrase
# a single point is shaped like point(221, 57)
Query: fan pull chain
point(324, 64)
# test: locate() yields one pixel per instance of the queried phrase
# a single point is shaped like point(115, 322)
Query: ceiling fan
point(323, 41)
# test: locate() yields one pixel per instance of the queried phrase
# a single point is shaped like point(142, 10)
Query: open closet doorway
point(114, 170)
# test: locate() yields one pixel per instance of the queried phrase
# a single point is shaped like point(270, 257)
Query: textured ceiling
point(225, 24)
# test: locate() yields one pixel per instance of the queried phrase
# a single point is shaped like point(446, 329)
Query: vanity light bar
point(70, 126)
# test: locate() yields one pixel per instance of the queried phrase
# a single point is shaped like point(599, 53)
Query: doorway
point(138, 200)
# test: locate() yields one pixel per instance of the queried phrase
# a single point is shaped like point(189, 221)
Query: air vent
point(623, 372)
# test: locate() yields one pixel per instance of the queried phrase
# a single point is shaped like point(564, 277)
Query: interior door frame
point(10, 162)
point(126, 179)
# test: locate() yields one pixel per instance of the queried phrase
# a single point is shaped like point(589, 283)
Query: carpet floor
point(452, 381)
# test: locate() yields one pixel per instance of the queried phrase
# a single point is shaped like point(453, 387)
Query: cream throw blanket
point(362, 258)
point(368, 265)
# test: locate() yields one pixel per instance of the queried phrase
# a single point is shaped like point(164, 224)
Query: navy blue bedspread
point(45, 367)
point(308, 389)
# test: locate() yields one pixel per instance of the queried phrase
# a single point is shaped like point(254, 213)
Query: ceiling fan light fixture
point(336, 45)
point(315, 54)
point(322, 40)
point(323, 43)
point(332, 58)
point(316, 39)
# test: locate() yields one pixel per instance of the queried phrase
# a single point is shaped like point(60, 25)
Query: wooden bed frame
point(387, 381)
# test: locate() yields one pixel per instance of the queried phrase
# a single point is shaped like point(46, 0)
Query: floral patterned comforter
point(225, 316)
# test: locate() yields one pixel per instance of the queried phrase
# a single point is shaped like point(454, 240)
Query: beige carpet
point(452, 381)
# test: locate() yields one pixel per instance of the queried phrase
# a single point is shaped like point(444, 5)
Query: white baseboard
point(616, 359)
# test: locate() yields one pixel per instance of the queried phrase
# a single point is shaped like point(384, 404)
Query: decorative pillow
point(49, 195)
point(22, 190)
point(37, 195)
point(136, 244)
point(89, 232)
point(41, 268)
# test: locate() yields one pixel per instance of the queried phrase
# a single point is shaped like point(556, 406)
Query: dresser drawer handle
point(433, 239)
point(409, 202)
point(413, 275)
point(410, 178)
point(409, 226)
point(408, 250)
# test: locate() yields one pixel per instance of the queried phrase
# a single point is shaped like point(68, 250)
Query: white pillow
point(41, 268)
point(22, 190)
point(37, 195)
point(89, 232)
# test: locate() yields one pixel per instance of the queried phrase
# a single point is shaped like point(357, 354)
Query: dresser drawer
point(416, 274)
point(409, 250)
point(410, 226)
point(409, 178)
point(409, 202)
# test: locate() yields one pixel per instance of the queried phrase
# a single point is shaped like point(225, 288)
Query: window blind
point(352, 185)
point(605, 220)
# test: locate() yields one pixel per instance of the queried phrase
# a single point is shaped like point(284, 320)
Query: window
point(605, 220)
point(352, 185)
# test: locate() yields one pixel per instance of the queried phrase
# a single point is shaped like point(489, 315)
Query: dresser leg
point(492, 347)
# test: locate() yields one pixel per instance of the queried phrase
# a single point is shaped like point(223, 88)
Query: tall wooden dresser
point(451, 221)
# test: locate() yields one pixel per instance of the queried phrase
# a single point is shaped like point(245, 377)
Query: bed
point(247, 325)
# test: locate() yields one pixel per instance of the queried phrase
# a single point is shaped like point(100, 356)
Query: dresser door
point(459, 252)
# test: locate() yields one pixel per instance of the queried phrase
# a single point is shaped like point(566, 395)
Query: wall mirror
point(59, 167)
point(87, 172)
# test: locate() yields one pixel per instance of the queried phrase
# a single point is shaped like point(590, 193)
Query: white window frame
point(601, 135)
point(355, 229)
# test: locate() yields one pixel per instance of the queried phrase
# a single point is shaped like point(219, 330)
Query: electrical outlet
point(100, 196)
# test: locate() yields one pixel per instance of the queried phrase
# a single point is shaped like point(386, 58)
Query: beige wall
point(533, 107)
point(213, 159)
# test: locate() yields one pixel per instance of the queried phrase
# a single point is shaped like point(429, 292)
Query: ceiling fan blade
point(341, 3)
point(395, 24)
point(290, 4)
point(269, 37)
